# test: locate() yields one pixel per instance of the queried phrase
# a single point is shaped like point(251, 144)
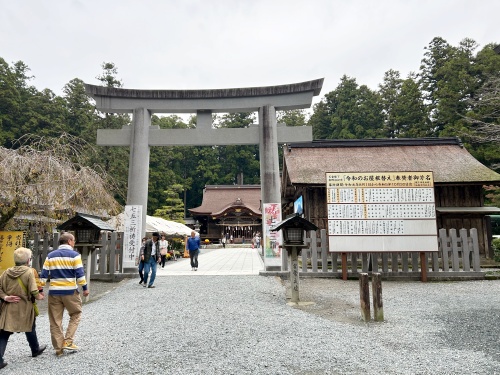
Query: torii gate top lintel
point(282, 97)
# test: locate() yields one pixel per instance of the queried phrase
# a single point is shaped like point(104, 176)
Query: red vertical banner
point(272, 240)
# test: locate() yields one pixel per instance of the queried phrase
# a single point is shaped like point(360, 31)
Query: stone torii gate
point(141, 135)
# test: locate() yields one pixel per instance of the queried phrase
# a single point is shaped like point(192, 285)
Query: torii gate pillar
point(141, 135)
point(138, 172)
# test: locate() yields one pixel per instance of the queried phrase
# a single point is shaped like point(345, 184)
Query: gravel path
point(242, 325)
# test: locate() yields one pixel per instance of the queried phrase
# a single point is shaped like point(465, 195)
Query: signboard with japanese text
point(272, 240)
point(132, 235)
point(381, 212)
point(9, 241)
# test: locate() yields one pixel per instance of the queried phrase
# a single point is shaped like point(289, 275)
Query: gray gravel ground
point(243, 325)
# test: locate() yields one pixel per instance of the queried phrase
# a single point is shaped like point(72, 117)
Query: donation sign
point(132, 235)
point(381, 212)
point(9, 241)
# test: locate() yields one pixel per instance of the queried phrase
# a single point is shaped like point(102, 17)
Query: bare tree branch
point(49, 177)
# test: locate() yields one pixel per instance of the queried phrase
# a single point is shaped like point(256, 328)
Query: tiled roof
point(81, 219)
point(307, 163)
point(218, 198)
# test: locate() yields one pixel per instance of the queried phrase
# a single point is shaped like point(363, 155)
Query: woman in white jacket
point(163, 250)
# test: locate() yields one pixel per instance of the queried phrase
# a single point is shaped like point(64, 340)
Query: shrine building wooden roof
point(218, 199)
point(450, 162)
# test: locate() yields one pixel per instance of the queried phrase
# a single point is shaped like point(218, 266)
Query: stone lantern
point(293, 228)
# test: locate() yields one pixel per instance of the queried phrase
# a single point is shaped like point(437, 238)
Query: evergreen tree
point(354, 112)
point(173, 208)
point(81, 117)
point(294, 117)
point(403, 107)
point(113, 159)
point(320, 121)
point(10, 104)
point(163, 162)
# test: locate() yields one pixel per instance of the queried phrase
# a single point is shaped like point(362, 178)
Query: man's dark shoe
point(3, 364)
point(151, 286)
point(140, 282)
point(40, 350)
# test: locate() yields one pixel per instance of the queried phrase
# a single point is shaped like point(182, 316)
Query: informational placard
point(9, 241)
point(272, 240)
point(381, 212)
point(132, 235)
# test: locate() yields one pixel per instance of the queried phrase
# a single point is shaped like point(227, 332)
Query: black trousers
point(193, 256)
point(30, 336)
point(141, 270)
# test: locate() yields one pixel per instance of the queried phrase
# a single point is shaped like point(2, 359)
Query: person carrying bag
point(18, 288)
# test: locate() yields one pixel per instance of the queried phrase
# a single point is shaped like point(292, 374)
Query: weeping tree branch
point(50, 177)
point(485, 114)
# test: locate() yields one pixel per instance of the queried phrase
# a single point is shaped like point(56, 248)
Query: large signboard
point(272, 240)
point(9, 241)
point(132, 235)
point(381, 212)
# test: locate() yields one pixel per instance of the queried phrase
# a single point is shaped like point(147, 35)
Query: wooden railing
point(102, 261)
point(457, 257)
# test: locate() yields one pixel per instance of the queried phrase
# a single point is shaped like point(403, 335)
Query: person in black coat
point(150, 257)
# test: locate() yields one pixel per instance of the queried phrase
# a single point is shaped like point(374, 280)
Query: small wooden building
point(458, 177)
point(229, 210)
point(87, 228)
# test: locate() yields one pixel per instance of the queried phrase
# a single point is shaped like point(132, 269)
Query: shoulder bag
point(35, 306)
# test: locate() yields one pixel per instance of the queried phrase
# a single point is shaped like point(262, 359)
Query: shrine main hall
point(229, 210)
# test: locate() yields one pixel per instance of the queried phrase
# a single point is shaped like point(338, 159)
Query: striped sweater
point(65, 269)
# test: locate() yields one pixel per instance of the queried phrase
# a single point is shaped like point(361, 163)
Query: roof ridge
point(377, 142)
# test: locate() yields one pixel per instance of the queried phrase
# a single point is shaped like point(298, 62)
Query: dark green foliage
point(294, 117)
point(173, 208)
point(496, 249)
point(403, 107)
point(348, 112)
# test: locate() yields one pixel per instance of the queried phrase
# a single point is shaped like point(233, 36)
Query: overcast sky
point(202, 44)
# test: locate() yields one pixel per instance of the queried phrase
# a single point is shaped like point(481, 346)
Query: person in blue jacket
point(193, 246)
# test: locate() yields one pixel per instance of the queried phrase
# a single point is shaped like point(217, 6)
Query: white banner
point(132, 235)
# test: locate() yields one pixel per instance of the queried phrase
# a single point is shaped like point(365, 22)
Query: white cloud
point(233, 43)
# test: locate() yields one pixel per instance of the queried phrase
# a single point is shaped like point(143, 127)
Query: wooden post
point(86, 254)
point(364, 296)
point(378, 306)
point(423, 267)
point(344, 266)
point(294, 275)
point(186, 252)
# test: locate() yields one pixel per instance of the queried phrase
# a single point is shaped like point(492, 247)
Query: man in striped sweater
point(64, 268)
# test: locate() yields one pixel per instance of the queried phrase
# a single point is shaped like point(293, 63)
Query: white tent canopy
point(154, 224)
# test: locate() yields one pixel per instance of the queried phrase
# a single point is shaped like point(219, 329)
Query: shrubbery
point(496, 249)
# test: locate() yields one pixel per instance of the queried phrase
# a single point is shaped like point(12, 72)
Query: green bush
point(496, 249)
point(176, 244)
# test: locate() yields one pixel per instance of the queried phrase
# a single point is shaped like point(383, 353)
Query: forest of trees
point(456, 92)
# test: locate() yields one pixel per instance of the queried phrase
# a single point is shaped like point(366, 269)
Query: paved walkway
point(225, 262)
